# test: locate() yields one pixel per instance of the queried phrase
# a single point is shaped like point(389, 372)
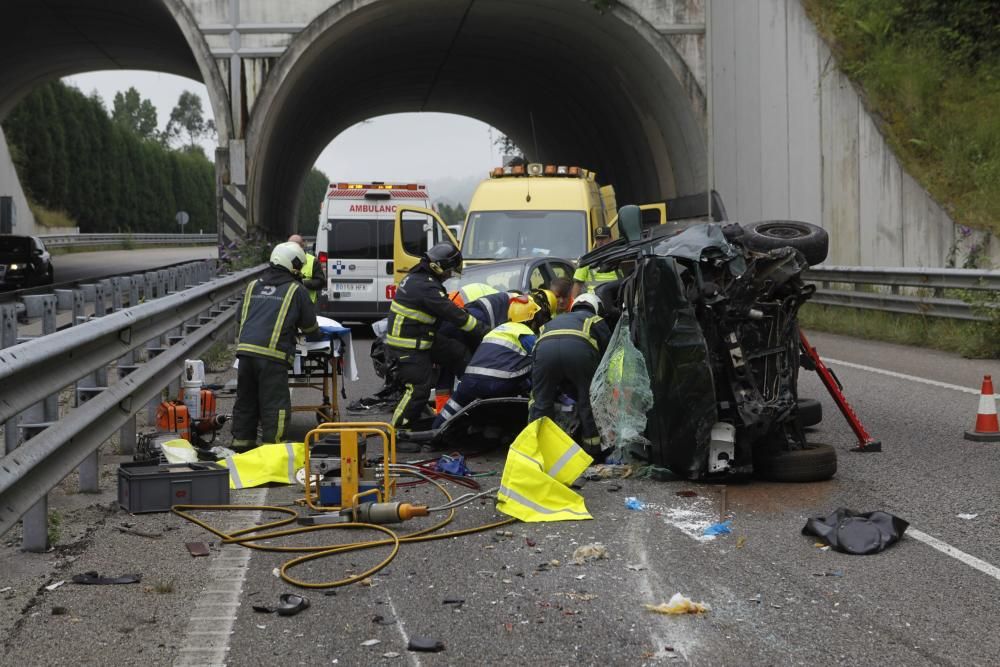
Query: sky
point(449, 151)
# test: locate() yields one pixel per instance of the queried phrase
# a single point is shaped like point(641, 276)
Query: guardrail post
point(171, 280)
point(162, 283)
point(34, 420)
point(149, 290)
point(86, 388)
point(8, 338)
point(78, 304)
point(136, 280)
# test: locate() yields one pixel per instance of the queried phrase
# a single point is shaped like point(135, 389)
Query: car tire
point(815, 463)
point(812, 241)
point(810, 412)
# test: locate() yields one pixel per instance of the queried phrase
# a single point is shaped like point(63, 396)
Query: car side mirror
point(630, 222)
point(39, 252)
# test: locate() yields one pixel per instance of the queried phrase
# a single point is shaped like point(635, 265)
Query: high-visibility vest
point(541, 463)
point(473, 291)
point(502, 354)
point(265, 464)
point(576, 323)
point(592, 278)
point(307, 271)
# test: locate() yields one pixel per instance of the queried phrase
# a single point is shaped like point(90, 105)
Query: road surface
point(83, 265)
point(775, 597)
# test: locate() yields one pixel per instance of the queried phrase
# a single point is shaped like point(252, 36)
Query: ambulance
point(370, 234)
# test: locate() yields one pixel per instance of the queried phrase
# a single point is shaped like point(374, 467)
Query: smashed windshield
point(507, 234)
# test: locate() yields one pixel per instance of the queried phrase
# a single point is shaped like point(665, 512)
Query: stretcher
point(318, 364)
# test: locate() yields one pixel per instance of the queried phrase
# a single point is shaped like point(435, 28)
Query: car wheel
point(810, 412)
point(814, 463)
point(812, 241)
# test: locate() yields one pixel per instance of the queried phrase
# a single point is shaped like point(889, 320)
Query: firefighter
point(587, 278)
point(420, 306)
point(274, 307)
point(313, 276)
point(501, 365)
point(566, 356)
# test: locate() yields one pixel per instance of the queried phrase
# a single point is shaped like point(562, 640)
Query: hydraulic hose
point(252, 536)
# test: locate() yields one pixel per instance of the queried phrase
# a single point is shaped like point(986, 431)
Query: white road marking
point(209, 647)
point(904, 376)
point(957, 554)
point(414, 658)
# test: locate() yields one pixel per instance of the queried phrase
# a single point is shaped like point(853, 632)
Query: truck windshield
point(506, 234)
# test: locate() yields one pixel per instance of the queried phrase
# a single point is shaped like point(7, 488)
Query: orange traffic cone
point(987, 427)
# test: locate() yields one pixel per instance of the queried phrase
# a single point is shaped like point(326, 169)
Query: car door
point(416, 229)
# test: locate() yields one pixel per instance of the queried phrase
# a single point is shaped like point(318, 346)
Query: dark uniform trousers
point(415, 369)
point(263, 396)
point(561, 363)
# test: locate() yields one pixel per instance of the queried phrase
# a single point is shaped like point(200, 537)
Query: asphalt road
point(775, 597)
point(83, 265)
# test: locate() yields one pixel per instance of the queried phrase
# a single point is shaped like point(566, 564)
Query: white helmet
point(288, 255)
point(590, 300)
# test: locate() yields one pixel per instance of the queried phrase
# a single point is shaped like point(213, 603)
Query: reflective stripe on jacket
point(474, 291)
point(274, 307)
point(592, 278)
point(503, 353)
point(578, 324)
point(420, 303)
point(491, 309)
point(540, 465)
point(265, 464)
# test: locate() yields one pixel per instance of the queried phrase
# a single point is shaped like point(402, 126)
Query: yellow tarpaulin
point(266, 464)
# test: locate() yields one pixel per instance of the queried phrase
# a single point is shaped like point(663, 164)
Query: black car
point(523, 274)
point(24, 262)
point(713, 310)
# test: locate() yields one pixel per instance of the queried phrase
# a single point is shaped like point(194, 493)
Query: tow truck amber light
point(550, 170)
point(574, 171)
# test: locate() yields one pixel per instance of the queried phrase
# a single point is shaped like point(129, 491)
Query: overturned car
point(713, 310)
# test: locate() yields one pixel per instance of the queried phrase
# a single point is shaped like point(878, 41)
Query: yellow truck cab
point(532, 210)
point(536, 210)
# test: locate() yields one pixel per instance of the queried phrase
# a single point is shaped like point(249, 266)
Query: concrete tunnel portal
point(569, 85)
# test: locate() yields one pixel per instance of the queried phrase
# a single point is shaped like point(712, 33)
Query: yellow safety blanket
point(266, 464)
point(541, 463)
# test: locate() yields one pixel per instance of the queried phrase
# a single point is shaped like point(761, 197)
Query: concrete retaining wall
point(792, 140)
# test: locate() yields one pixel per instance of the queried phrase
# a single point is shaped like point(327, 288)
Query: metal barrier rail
point(44, 443)
point(67, 240)
point(905, 289)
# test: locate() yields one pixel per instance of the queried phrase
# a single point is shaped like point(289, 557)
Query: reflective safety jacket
point(466, 295)
point(274, 307)
point(541, 464)
point(491, 309)
point(312, 277)
point(592, 278)
point(420, 303)
point(504, 353)
point(580, 325)
point(265, 464)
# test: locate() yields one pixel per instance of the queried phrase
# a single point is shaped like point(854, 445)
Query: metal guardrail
point(911, 291)
point(145, 344)
point(88, 240)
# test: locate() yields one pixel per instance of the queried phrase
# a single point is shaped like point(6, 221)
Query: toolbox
point(152, 487)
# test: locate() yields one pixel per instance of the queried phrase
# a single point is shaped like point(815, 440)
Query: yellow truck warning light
point(538, 169)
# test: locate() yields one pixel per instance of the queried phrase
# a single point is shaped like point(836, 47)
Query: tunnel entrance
point(568, 84)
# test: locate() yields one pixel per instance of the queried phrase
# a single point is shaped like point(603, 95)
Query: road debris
point(741, 541)
point(59, 611)
point(636, 568)
point(829, 573)
point(723, 528)
point(95, 579)
point(371, 642)
point(263, 609)
point(390, 654)
point(589, 552)
point(425, 645)
point(633, 503)
point(607, 471)
point(859, 533)
point(379, 619)
point(687, 493)
point(679, 605)
point(52, 587)
point(967, 517)
point(197, 548)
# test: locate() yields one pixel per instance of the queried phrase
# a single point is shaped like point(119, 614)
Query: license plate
point(349, 287)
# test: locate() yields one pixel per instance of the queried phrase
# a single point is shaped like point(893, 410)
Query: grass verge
point(975, 340)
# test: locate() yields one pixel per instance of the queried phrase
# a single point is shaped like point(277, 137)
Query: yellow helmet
point(522, 309)
point(553, 301)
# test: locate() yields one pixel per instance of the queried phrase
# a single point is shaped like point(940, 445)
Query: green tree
point(187, 121)
point(313, 194)
point(135, 114)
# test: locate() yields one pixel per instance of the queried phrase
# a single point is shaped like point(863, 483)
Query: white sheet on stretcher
point(342, 345)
